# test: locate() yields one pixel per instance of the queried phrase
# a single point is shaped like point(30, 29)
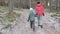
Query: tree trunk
point(11, 6)
point(30, 3)
point(50, 5)
point(56, 4)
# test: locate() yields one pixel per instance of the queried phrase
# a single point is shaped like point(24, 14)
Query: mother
point(39, 13)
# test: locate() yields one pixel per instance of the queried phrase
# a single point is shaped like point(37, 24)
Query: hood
point(31, 10)
point(38, 5)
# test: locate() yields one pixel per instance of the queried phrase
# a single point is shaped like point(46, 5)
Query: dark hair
point(38, 2)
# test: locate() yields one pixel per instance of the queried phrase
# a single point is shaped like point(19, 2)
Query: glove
point(43, 14)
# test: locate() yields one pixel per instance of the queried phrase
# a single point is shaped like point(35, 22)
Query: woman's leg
point(40, 20)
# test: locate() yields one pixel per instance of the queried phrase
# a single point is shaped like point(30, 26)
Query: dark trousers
point(32, 24)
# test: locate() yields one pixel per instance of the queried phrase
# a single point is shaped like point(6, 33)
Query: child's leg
point(40, 21)
point(31, 24)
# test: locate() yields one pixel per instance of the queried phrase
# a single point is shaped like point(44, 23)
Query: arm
point(43, 11)
point(29, 18)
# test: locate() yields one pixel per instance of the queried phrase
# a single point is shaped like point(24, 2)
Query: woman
point(39, 13)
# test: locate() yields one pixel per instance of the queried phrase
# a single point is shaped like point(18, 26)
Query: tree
point(30, 3)
point(11, 6)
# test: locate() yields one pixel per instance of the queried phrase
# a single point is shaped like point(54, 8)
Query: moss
point(9, 17)
point(1, 11)
point(4, 7)
point(7, 26)
point(12, 17)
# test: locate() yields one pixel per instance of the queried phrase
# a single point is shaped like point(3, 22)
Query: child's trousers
point(32, 24)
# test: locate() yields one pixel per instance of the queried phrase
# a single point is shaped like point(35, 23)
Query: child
point(31, 18)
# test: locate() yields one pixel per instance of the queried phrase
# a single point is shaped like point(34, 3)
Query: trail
point(23, 27)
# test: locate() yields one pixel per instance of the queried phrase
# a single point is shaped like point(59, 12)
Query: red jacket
point(39, 9)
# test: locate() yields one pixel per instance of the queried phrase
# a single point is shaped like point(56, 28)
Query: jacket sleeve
point(29, 18)
point(43, 11)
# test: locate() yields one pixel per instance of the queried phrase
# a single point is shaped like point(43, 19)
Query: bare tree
point(50, 5)
point(30, 3)
point(11, 6)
